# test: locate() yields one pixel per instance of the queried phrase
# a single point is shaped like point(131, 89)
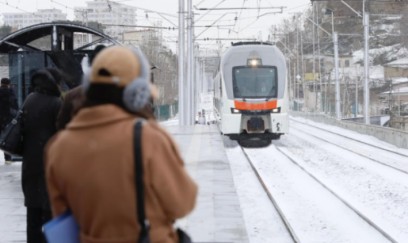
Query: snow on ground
point(263, 223)
point(12, 211)
point(378, 191)
point(313, 212)
point(171, 122)
point(366, 138)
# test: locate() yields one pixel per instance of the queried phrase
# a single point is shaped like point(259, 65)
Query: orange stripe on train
point(269, 105)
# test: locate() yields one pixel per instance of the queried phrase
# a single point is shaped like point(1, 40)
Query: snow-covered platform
point(217, 216)
point(12, 210)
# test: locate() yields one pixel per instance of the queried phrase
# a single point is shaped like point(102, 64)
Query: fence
point(165, 112)
point(399, 122)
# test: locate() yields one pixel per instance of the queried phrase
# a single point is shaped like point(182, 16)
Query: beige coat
point(90, 169)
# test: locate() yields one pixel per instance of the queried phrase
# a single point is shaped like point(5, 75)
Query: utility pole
point(336, 73)
point(336, 68)
point(297, 65)
point(190, 65)
point(181, 51)
point(321, 106)
point(336, 61)
point(314, 59)
point(366, 22)
point(302, 66)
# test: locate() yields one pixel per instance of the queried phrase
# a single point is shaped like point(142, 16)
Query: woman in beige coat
point(90, 165)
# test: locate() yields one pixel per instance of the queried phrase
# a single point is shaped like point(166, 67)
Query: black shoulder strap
point(144, 224)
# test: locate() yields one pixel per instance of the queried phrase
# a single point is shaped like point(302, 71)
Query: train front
point(256, 104)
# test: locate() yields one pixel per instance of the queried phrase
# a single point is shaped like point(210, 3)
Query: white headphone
point(137, 93)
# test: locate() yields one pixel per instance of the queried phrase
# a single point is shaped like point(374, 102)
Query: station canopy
point(54, 36)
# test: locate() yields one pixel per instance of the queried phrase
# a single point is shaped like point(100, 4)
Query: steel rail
point(357, 140)
point(274, 202)
point(366, 219)
point(356, 152)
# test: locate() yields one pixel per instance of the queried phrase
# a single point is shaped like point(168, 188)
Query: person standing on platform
point(40, 111)
point(74, 99)
point(95, 179)
point(8, 108)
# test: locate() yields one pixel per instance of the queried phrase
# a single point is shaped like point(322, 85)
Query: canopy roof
point(22, 37)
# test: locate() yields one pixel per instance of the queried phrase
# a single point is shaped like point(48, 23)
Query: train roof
point(252, 43)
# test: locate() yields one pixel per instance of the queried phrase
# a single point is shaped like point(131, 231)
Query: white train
point(251, 92)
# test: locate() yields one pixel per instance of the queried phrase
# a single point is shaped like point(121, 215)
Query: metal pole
point(297, 65)
point(193, 67)
point(320, 66)
point(196, 94)
point(314, 59)
point(366, 21)
point(332, 17)
point(190, 96)
point(336, 68)
point(302, 84)
point(181, 101)
point(336, 73)
point(290, 92)
point(356, 101)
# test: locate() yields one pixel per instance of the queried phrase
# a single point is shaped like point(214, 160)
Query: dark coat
point(39, 121)
point(73, 101)
point(8, 103)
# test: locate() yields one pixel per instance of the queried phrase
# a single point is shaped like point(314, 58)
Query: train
point(251, 92)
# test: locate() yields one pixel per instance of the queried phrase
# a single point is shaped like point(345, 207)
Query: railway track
point(400, 157)
point(289, 228)
point(351, 138)
point(288, 223)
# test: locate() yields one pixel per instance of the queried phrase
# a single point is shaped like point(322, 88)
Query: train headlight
point(276, 110)
point(235, 111)
point(254, 62)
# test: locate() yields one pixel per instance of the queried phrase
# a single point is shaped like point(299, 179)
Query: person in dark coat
point(74, 99)
point(40, 112)
point(8, 107)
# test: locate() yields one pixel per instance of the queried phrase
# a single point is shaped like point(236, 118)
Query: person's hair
point(47, 80)
point(98, 94)
point(5, 81)
point(97, 49)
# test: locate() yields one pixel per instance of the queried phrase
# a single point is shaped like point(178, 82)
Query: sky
point(249, 23)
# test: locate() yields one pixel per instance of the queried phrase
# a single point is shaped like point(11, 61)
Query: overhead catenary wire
point(18, 8)
point(216, 5)
point(242, 21)
point(142, 26)
point(239, 16)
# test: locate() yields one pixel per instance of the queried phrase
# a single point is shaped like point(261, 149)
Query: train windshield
point(255, 82)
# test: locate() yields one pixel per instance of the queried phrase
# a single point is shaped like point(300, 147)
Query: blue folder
point(62, 229)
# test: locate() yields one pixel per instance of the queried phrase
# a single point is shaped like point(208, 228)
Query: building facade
point(21, 20)
point(117, 18)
